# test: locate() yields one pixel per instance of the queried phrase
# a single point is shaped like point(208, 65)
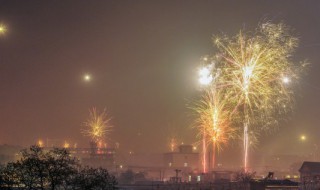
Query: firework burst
point(257, 68)
point(213, 123)
point(254, 71)
point(97, 127)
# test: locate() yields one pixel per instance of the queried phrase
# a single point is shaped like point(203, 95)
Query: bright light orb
point(205, 71)
point(247, 71)
point(87, 77)
point(303, 137)
point(286, 80)
point(40, 143)
point(205, 76)
point(3, 29)
point(205, 80)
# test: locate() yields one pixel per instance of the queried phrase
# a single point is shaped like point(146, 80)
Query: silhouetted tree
point(95, 179)
point(33, 168)
point(60, 167)
point(9, 176)
point(53, 169)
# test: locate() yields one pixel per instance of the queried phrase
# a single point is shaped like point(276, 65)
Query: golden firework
point(255, 70)
point(213, 122)
point(254, 73)
point(214, 118)
point(97, 127)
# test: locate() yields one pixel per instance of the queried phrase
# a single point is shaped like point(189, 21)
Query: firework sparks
point(213, 121)
point(97, 126)
point(254, 70)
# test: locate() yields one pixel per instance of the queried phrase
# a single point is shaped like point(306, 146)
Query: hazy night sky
point(143, 57)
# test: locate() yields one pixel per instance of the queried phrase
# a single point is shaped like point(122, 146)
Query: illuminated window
point(198, 178)
point(170, 164)
point(185, 164)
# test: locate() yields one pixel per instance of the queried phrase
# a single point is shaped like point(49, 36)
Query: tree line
point(55, 169)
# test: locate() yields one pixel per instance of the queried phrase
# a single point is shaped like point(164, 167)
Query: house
point(185, 158)
point(310, 175)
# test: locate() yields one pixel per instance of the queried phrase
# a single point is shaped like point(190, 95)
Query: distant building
point(104, 158)
point(310, 175)
point(185, 158)
point(96, 156)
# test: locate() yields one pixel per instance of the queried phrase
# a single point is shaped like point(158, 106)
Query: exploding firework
point(97, 127)
point(213, 123)
point(255, 71)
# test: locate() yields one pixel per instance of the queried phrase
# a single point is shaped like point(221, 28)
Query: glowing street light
point(303, 137)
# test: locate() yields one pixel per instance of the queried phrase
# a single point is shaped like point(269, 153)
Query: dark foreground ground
point(270, 185)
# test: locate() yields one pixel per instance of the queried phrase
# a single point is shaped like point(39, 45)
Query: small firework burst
point(213, 123)
point(213, 118)
point(97, 127)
